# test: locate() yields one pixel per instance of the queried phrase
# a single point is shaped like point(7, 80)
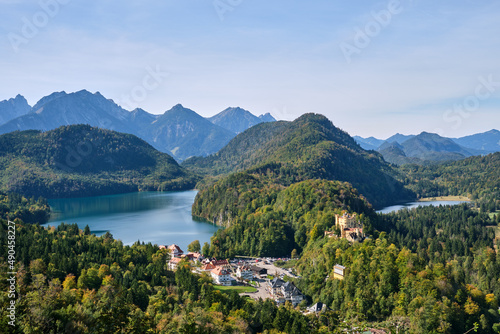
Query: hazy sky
point(373, 68)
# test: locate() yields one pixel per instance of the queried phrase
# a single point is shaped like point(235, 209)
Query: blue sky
point(373, 68)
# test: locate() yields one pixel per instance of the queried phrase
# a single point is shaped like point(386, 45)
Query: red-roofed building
point(193, 256)
point(207, 267)
point(220, 263)
point(221, 276)
point(175, 250)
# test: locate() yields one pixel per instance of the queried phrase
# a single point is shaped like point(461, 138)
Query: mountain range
point(13, 108)
point(238, 120)
point(181, 132)
point(430, 147)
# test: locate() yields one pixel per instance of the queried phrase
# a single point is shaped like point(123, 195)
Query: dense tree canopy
point(273, 220)
point(310, 147)
point(79, 160)
point(29, 210)
point(477, 178)
point(435, 270)
point(69, 281)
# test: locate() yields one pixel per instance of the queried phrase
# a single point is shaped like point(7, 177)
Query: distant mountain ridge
point(424, 148)
point(238, 120)
point(370, 143)
point(13, 108)
point(59, 109)
point(428, 148)
point(487, 141)
point(183, 133)
point(180, 132)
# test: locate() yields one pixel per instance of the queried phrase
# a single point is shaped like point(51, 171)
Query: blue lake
point(411, 205)
point(161, 218)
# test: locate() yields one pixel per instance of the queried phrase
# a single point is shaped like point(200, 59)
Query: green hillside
point(71, 281)
point(242, 152)
point(436, 271)
point(79, 160)
point(476, 177)
point(268, 220)
point(310, 147)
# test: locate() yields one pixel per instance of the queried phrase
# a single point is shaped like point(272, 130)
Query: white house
point(244, 272)
point(338, 272)
point(175, 250)
point(221, 276)
point(291, 293)
point(173, 263)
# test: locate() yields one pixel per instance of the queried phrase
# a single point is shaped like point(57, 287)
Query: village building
point(221, 276)
point(175, 251)
point(192, 256)
point(283, 291)
point(317, 308)
point(244, 272)
point(173, 263)
point(207, 267)
point(258, 271)
point(338, 272)
point(220, 263)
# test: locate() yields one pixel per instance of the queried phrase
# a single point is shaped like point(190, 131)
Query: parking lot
point(272, 270)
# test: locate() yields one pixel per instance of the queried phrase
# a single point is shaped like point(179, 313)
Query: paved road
point(273, 270)
point(261, 291)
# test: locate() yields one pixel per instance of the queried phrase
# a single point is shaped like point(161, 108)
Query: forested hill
point(80, 160)
point(310, 147)
point(434, 270)
point(275, 142)
point(476, 177)
point(269, 220)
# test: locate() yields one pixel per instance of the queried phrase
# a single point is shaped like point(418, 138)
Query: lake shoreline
point(434, 201)
point(445, 198)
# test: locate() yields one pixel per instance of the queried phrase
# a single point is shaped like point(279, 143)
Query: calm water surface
point(161, 218)
point(411, 205)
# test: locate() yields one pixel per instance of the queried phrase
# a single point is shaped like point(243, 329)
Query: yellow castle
point(350, 227)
